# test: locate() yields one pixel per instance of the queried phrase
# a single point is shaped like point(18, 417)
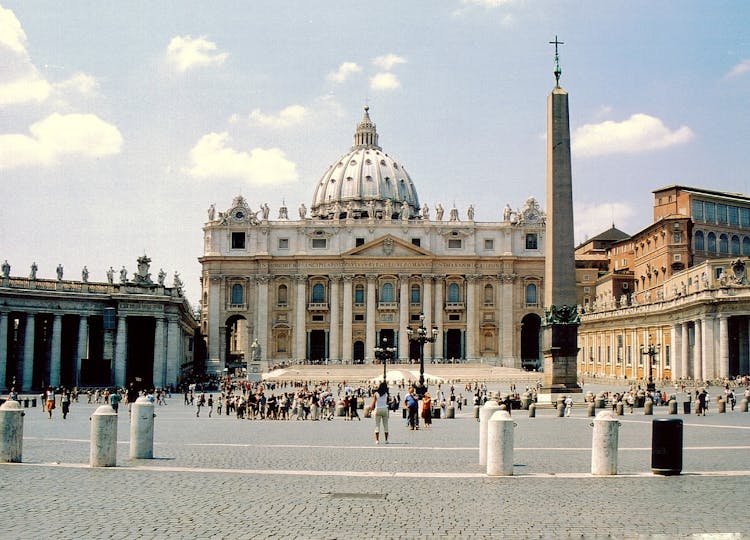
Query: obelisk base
point(560, 343)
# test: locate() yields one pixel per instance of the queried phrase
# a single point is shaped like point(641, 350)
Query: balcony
point(455, 306)
point(387, 306)
point(236, 307)
point(317, 306)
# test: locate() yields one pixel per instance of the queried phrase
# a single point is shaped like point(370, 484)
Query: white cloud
point(592, 219)
point(639, 133)
point(384, 81)
point(388, 61)
point(212, 158)
point(58, 136)
point(185, 52)
point(345, 70)
point(740, 69)
point(29, 88)
point(12, 35)
point(82, 83)
point(289, 116)
point(489, 3)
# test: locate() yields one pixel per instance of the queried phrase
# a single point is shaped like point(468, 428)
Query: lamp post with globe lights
point(384, 353)
point(421, 335)
point(651, 351)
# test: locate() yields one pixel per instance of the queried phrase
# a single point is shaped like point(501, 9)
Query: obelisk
point(561, 317)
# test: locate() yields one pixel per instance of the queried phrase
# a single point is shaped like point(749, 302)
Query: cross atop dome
point(366, 135)
point(558, 71)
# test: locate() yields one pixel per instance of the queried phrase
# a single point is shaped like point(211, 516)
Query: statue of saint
point(405, 211)
point(439, 212)
point(85, 274)
point(388, 209)
point(59, 272)
point(177, 282)
point(454, 214)
point(283, 212)
point(123, 275)
point(425, 212)
point(111, 275)
point(34, 268)
point(302, 211)
point(6, 269)
point(211, 212)
point(371, 209)
point(161, 276)
point(265, 211)
point(471, 212)
point(507, 211)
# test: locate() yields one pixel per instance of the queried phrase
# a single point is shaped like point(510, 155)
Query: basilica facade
point(365, 265)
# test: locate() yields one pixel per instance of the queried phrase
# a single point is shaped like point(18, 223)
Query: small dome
point(364, 182)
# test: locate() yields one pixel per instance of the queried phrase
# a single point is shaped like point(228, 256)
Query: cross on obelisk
point(560, 323)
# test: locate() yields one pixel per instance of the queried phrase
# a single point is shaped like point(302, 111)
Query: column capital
point(428, 277)
point(334, 278)
point(404, 277)
point(371, 277)
point(473, 278)
point(348, 278)
point(507, 278)
point(262, 279)
point(299, 278)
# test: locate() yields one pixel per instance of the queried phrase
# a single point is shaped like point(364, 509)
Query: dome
point(365, 182)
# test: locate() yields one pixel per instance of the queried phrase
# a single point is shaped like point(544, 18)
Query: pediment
point(387, 246)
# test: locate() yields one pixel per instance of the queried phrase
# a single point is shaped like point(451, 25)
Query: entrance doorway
point(530, 326)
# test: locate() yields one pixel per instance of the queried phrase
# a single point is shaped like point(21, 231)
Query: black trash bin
point(686, 406)
point(666, 446)
point(25, 403)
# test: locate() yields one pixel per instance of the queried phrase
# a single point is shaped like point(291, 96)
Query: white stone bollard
point(604, 444)
point(500, 444)
point(142, 429)
point(484, 417)
point(103, 437)
point(11, 432)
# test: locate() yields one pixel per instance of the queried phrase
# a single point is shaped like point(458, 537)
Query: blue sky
point(120, 123)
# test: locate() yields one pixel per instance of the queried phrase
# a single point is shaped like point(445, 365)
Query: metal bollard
point(500, 444)
point(722, 405)
point(484, 416)
point(591, 409)
point(672, 406)
point(604, 443)
point(532, 410)
point(476, 412)
point(142, 429)
point(11, 432)
point(103, 437)
point(648, 407)
point(451, 412)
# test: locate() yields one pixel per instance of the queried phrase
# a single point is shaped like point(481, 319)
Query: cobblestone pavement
point(221, 477)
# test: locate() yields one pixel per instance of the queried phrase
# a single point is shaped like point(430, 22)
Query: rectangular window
point(416, 242)
point(359, 317)
point(489, 244)
point(609, 357)
point(734, 216)
point(667, 359)
point(710, 209)
point(718, 271)
point(586, 277)
point(677, 257)
point(721, 214)
point(454, 243)
point(698, 211)
point(531, 241)
point(319, 243)
point(283, 243)
point(358, 242)
point(317, 318)
point(587, 290)
point(238, 240)
point(629, 358)
point(745, 217)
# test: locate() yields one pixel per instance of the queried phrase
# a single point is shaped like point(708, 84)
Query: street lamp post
point(384, 354)
point(421, 335)
point(651, 351)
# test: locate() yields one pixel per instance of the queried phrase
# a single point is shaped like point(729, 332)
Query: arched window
point(318, 293)
point(454, 293)
point(489, 295)
point(700, 243)
point(387, 293)
point(724, 244)
point(531, 294)
point(415, 294)
point(282, 295)
point(711, 243)
point(746, 246)
point(359, 294)
point(735, 245)
point(238, 294)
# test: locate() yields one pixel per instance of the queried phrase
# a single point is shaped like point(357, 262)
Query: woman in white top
point(380, 408)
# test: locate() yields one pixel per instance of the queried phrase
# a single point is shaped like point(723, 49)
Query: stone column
point(28, 353)
point(83, 345)
point(429, 348)
point(659, 359)
point(698, 351)
point(346, 338)
point(471, 318)
point(723, 346)
point(675, 362)
point(371, 313)
point(685, 351)
point(174, 351)
point(506, 331)
point(261, 330)
point(55, 351)
point(334, 354)
point(216, 346)
point(439, 351)
point(160, 360)
point(121, 350)
point(3, 348)
point(300, 310)
point(403, 318)
point(709, 335)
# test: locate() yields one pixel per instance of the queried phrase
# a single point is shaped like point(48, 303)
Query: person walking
point(568, 405)
point(210, 404)
point(65, 403)
point(411, 402)
point(427, 410)
point(49, 401)
point(380, 406)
